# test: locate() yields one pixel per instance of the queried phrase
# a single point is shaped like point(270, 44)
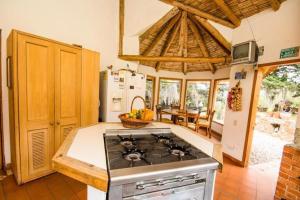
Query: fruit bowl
point(137, 118)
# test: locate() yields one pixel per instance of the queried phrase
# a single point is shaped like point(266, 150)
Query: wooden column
point(121, 25)
point(2, 161)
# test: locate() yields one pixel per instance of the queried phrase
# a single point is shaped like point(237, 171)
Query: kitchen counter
point(82, 154)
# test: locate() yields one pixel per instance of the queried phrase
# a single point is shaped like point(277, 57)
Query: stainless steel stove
point(146, 164)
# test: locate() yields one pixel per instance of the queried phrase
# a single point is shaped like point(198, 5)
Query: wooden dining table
point(176, 113)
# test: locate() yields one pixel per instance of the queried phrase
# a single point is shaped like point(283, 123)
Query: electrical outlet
point(231, 147)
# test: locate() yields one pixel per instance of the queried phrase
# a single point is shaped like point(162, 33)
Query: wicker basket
point(134, 123)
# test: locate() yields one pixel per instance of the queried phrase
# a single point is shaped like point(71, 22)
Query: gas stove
point(156, 163)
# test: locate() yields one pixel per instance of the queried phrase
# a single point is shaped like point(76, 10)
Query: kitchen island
point(82, 156)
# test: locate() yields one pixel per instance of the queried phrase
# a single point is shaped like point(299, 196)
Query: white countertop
point(88, 144)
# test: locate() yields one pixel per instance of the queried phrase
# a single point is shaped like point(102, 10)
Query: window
point(150, 88)
point(220, 99)
point(169, 92)
point(197, 95)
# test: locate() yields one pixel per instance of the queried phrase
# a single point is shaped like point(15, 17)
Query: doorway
point(277, 109)
point(263, 71)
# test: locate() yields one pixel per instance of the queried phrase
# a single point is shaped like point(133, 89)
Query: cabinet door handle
point(8, 72)
point(57, 123)
point(51, 124)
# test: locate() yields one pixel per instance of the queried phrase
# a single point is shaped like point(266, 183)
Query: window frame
point(209, 94)
point(215, 95)
point(153, 78)
point(166, 78)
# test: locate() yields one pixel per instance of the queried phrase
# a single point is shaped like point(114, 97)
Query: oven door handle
point(170, 181)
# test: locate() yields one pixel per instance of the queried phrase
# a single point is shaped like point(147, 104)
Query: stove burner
point(128, 149)
point(179, 151)
point(134, 155)
point(127, 142)
point(162, 139)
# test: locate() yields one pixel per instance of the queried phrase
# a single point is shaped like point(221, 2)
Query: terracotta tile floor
point(252, 183)
point(52, 187)
point(234, 183)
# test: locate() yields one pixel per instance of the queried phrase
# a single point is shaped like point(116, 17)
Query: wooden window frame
point(166, 78)
point(153, 78)
point(209, 94)
point(215, 95)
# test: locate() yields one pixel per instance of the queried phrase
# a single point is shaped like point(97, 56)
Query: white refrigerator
point(117, 90)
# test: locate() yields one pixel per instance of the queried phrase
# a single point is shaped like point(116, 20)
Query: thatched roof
point(185, 32)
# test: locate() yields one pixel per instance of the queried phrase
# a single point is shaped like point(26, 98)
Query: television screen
point(241, 51)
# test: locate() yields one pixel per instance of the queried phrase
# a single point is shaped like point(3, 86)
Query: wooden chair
point(159, 116)
point(175, 106)
point(192, 125)
point(202, 123)
point(179, 119)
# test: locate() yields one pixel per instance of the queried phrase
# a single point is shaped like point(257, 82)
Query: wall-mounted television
point(245, 53)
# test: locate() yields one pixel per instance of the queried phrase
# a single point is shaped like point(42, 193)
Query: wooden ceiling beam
point(175, 59)
point(159, 23)
point(201, 43)
point(183, 39)
point(199, 13)
point(121, 25)
point(275, 4)
point(168, 44)
point(162, 34)
point(214, 32)
point(228, 12)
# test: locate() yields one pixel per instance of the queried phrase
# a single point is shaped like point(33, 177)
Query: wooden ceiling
point(185, 41)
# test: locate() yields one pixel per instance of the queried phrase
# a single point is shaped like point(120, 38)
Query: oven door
point(188, 192)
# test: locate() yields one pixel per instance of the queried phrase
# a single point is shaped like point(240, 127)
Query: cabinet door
point(67, 91)
point(90, 87)
point(36, 106)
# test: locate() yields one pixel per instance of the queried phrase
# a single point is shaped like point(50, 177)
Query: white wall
point(235, 124)
point(91, 23)
point(274, 31)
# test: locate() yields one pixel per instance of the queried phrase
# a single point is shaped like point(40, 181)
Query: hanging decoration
point(234, 99)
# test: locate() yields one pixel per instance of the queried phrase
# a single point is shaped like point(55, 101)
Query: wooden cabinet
point(36, 105)
point(90, 91)
point(47, 99)
point(67, 91)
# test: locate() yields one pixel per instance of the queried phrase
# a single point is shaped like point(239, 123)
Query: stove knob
point(140, 187)
point(180, 179)
point(161, 183)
